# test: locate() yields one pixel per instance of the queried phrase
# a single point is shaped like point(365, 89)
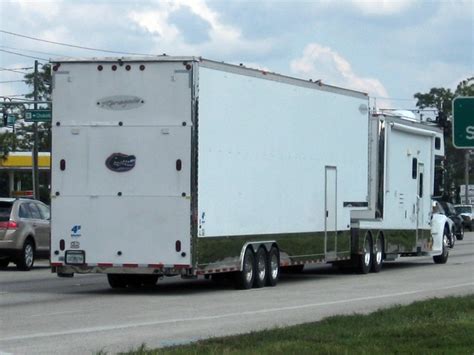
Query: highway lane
point(41, 313)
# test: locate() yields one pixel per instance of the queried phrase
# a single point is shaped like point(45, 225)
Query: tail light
point(9, 225)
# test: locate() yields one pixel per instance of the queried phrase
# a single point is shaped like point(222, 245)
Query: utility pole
point(35, 176)
point(466, 174)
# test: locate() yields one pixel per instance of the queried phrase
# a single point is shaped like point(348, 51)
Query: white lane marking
point(220, 316)
point(52, 314)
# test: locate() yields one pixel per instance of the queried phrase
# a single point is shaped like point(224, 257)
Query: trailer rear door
point(121, 162)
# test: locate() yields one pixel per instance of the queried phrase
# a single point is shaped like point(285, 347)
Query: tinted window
point(5, 211)
point(24, 211)
point(35, 213)
point(44, 210)
point(437, 143)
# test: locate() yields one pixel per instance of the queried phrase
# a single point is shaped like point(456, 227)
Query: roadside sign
point(11, 120)
point(463, 122)
point(39, 115)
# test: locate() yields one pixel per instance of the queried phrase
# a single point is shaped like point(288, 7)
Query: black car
point(455, 217)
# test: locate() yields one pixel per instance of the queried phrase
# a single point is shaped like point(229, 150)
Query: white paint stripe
point(262, 311)
point(52, 314)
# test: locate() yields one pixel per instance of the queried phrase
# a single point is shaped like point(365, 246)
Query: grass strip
point(435, 326)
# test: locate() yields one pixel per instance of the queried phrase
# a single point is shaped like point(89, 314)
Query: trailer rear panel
point(121, 162)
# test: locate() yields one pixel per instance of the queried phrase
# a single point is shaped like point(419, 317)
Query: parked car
point(24, 232)
point(467, 214)
point(455, 217)
point(438, 209)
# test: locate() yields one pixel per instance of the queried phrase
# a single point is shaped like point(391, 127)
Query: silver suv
point(24, 232)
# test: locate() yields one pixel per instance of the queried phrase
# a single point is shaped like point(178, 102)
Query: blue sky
point(390, 49)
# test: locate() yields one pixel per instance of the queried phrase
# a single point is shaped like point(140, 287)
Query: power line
point(23, 55)
point(71, 45)
point(34, 51)
point(24, 68)
point(14, 95)
point(12, 81)
point(13, 71)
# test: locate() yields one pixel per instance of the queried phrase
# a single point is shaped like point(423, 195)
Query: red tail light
point(9, 225)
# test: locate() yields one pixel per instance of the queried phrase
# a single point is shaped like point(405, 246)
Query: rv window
point(420, 186)
point(437, 143)
point(414, 168)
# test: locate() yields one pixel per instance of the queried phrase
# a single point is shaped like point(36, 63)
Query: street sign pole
point(463, 132)
point(35, 176)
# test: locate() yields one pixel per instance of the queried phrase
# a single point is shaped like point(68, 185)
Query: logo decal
point(120, 103)
point(75, 245)
point(76, 231)
point(120, 163)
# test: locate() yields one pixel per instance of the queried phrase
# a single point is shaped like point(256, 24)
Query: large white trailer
point(186, 166)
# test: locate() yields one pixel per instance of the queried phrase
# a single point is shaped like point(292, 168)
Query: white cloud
point(382, 7)
point(224, 39)
point(322, 63)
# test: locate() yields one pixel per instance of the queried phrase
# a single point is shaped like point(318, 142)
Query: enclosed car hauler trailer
point(185, 166)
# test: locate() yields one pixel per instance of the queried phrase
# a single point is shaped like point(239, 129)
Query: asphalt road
point(41, 313)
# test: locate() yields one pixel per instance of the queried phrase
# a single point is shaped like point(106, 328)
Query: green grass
point(436, 326)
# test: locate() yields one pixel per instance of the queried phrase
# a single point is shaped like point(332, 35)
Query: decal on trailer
point(120, 103)
point(120, 162)
point(75, 245)
point(76, 231)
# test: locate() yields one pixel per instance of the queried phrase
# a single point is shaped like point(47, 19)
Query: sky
point(388, 49)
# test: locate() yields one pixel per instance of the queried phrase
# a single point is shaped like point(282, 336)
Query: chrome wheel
point(29, 255)
point(377, 257)
point(443, 257)
point(365, 258)
point(26, 258)
point(261, 268)
point(367, 252)
point(248, 268)
point(274, 266)
point(245, 278)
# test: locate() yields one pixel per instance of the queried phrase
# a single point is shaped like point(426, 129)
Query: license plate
point(76, 257)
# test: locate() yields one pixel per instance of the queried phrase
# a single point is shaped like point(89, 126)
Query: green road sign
point(39, 115)
point(463, 122)
point(11, 120)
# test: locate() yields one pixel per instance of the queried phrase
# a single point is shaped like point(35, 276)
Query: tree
point(21, 139)
point(44, 83)
point(441, 99)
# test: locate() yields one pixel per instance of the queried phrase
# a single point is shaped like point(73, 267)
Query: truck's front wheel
point(443, 257)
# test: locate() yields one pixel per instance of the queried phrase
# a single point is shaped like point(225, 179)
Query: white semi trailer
point(185, 166)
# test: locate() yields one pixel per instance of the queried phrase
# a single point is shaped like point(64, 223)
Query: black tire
point(365, 259)
point(26, 259)
point(443, 257)
point(117, 280)
point(261, 265)
point(4, 263)
point(244, 278)
point(273, 267)
point(460, 235)
point(452, 240)
point(377, 255)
